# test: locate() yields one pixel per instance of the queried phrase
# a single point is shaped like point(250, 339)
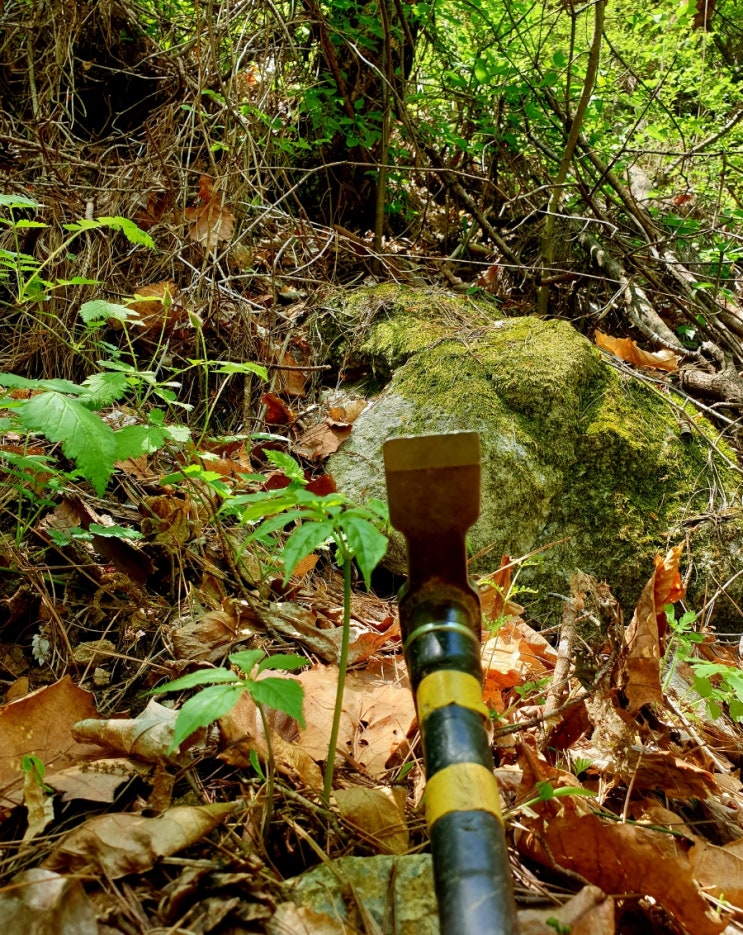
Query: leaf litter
point(617, 803)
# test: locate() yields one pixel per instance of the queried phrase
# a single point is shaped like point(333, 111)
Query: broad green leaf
point(481, 71)
point(24, 223)
point(203, 709)
point(84, 436)
point(379, 508)
point(101, 310)
point(283, 661)
point(285, 695)
point(735, 709)
point(246, 659)
point(303, 541)
point(275, 523)
point(366, 542)
point(135, 440)
point(201, 677)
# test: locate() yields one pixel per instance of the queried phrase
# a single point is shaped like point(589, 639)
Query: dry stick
point(548, 239)
point(386, 123)
point(561, 675)
point(640, 311)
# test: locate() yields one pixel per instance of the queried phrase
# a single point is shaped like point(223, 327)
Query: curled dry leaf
point(640, 676)
point(148, 736)
point(626, 349)
point(589, 912)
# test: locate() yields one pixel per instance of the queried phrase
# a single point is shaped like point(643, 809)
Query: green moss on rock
point(578, 460)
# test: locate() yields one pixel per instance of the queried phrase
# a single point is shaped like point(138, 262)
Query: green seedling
point(318, 521)
point(221, 690)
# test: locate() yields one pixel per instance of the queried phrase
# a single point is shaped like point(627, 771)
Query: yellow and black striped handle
point(433, 485)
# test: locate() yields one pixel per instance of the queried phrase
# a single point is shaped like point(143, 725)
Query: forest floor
point(126, 568)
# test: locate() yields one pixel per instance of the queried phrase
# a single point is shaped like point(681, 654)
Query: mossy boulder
point(593, 467)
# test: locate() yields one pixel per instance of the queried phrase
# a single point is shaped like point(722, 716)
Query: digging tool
point(433, 489)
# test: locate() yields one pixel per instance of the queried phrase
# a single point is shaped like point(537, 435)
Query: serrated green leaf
point(135, 440)
point(303, 541)
point(287, 464)
point(18, 201)
point(105, 388)
point(23, 223)
point(194, 679)
point(366, 542)
point(60, 386)
point(84, 436)
point(114, 532)
point(702, 686)
point(129, 229)
point(285, 695)
point(177, 433)
point(203, 709)
point(246, 659)
point(101, 310)
point(283, 661)
point(233, 366)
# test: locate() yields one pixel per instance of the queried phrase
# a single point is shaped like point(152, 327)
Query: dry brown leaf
point(241, 730)
point(291, 381)
point(117, 845)
point(208, 638)
point(169, 520)
point(589, 912)
point(670, 774)
point(295, 622)
point(626, 349)
point(41, 724)
point(377, 716)
point(320, 441)
point(719, 870)
point(514, 655)
point(40, 902)
point(277, 412)
point(211, 221)
point(379, 814)
point(347, 410)
point(640, 676)
point(158, 306)
point(620, 859)
point(97, 781)
point(301, 920)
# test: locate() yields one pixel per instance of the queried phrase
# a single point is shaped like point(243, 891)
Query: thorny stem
point(342, 666)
